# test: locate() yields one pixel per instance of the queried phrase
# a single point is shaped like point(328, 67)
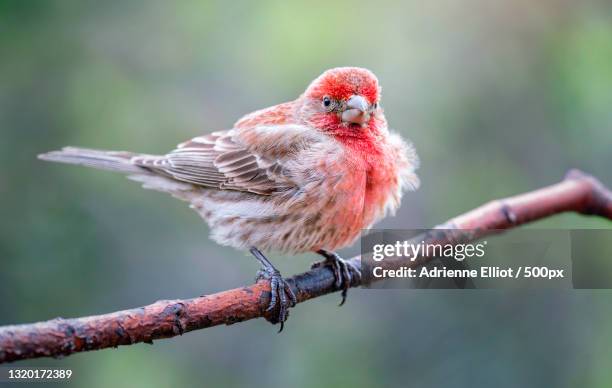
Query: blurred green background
point(499, 97)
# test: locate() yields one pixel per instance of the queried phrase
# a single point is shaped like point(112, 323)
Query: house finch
point(302, 176)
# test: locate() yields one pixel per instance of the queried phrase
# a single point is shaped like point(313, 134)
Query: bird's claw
point(344, 271)
point(281, 294)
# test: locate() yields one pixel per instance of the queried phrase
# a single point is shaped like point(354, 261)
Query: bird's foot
point(281, 294)
point(344, 271)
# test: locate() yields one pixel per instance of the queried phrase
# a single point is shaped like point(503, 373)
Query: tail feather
point(119, 161)
point(128, 163)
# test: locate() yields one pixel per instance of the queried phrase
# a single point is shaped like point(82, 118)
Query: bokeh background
point(499, 97)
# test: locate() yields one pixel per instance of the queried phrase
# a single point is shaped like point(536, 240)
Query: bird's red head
point(344, 102)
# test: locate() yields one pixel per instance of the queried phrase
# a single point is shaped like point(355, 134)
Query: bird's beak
point(356, 111)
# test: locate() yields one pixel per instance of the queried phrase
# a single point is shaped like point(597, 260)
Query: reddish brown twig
point(578, 192)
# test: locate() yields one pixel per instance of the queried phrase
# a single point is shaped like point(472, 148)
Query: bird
point(308, 175)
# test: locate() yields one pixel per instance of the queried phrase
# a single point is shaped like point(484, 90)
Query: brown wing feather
point(219, 160)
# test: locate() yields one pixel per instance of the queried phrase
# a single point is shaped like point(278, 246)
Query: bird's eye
point(326, 102)
point(375, 106)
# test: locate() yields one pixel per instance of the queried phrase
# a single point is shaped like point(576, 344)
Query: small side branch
point(578, 192)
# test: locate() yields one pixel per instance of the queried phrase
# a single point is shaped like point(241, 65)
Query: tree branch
point(578, 192)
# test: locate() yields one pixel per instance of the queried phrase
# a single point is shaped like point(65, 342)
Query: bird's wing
point(251, 160)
